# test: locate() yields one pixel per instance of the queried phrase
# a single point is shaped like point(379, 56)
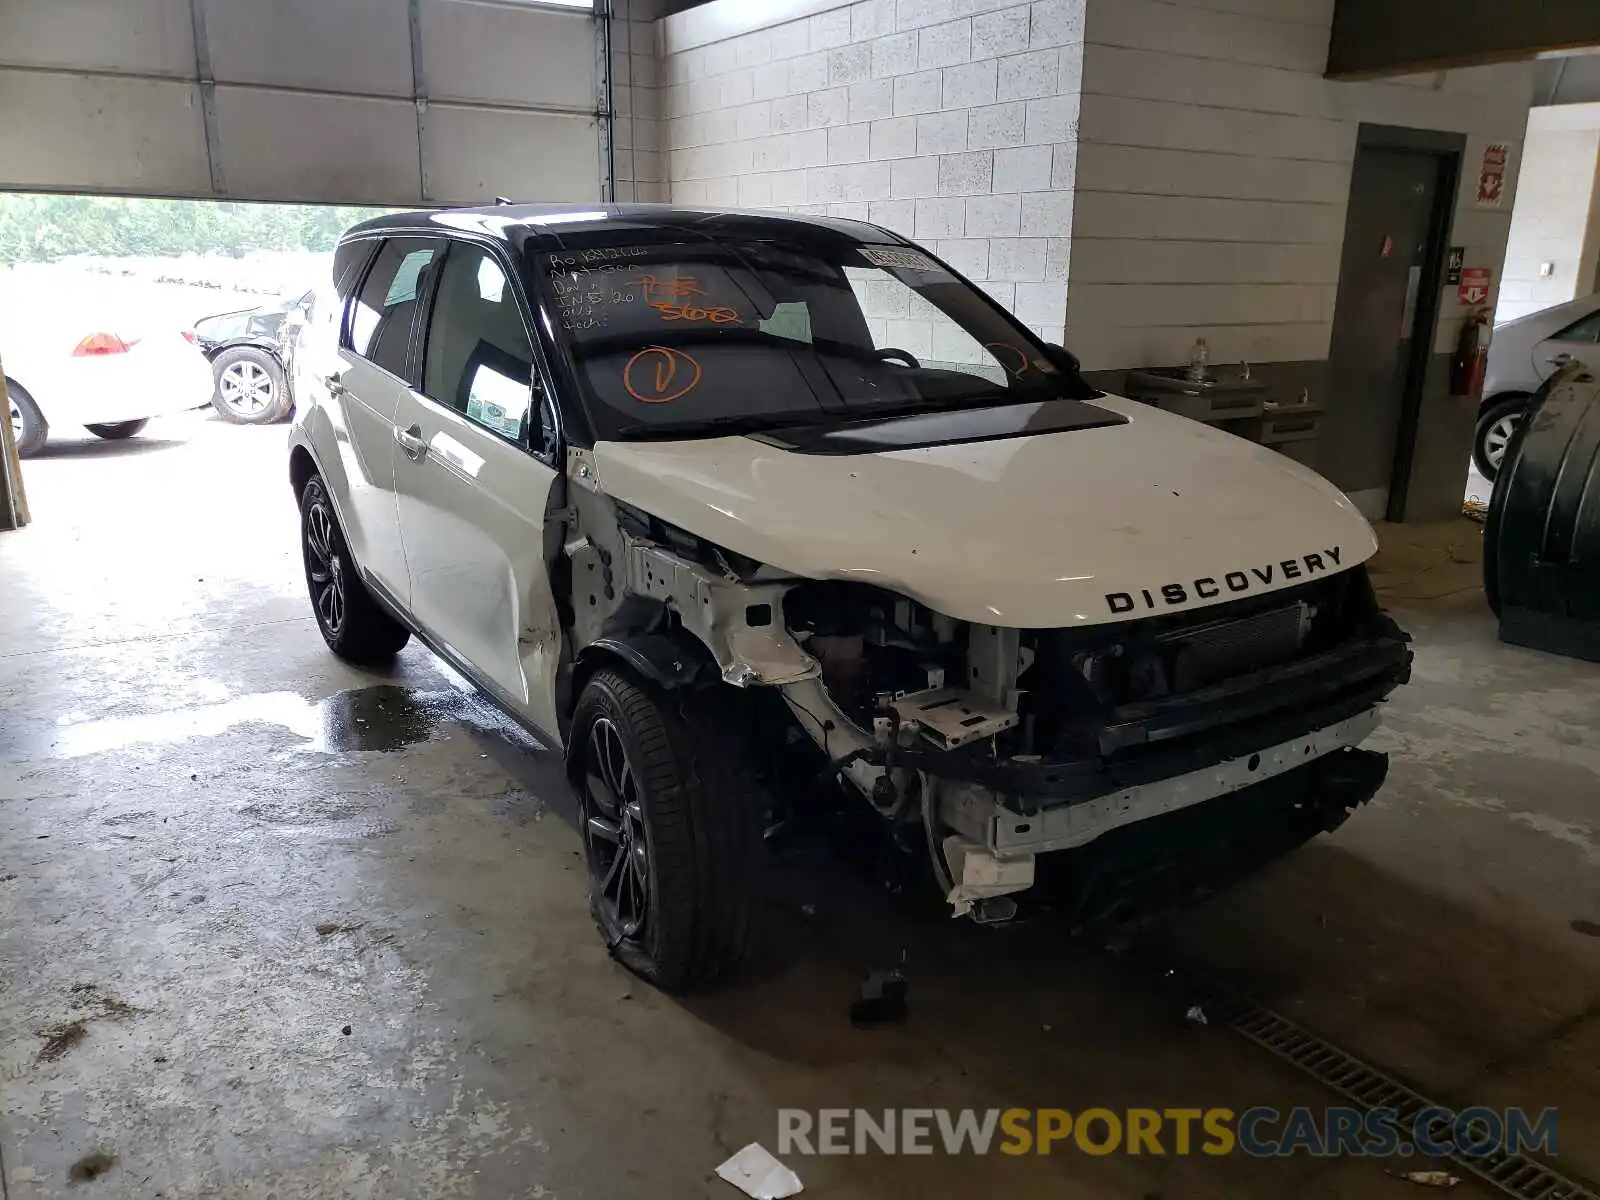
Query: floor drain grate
point(1514, 1174)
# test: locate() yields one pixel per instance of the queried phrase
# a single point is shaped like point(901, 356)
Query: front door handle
point(412, 443)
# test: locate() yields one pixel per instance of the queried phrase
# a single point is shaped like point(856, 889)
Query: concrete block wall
point(636, 99)
point(1558, 199)
point(950, 121)
point(1213, 173)
point(1125, 175)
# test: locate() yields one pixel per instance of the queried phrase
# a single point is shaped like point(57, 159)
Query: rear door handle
point(411, 441)
point(1560, 360)
point(335, 385)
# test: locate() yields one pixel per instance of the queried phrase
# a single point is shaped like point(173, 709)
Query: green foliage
point(41, 228)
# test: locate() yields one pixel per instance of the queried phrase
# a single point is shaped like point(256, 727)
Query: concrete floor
point(277, 928)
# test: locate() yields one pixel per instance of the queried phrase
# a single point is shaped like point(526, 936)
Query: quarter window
point(1586, 330)
point(479, 360)
point(380, 322)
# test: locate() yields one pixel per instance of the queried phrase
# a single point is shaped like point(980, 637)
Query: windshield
point(700, 336)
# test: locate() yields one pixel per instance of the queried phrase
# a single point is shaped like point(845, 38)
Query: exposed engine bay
point(1004, 743)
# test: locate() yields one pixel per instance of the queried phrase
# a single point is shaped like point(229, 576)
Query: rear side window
point(380, 319)
point(348, 261)
point(479, 360)
point(1586, 330)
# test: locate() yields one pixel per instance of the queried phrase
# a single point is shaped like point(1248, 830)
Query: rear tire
point(27, 422)
point(251, 387)
point(1496, 425)
point(118, 430)
point(354, 625)
point(669, 817)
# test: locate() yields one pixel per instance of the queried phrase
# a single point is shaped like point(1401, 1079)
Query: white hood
point(1082, 527)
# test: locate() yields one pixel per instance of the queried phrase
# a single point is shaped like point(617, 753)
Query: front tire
point(353, 624)
point(117, 430)
point(251, 387)
point(669, 821)
point(1496, 426)
point(28, 425)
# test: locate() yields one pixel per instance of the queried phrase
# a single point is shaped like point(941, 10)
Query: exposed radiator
point(1203, 654)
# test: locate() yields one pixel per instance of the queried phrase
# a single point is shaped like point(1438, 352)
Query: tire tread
point(700, 809)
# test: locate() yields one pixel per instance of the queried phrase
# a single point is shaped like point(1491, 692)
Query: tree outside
point(46, 228)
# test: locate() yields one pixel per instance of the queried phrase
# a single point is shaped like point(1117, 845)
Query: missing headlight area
point(1008, 743)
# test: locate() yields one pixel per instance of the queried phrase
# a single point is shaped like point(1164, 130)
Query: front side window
point(478, 359)
point(380, 319)
point(687, 335)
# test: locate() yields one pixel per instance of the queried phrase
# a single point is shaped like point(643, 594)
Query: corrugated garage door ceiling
point(303, 100)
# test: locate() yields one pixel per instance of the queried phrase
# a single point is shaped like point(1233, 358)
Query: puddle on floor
point(381, 717)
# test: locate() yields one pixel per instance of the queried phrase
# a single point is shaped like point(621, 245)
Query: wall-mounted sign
point(1492, 175)
point(1474, 285)
point(1452, 268)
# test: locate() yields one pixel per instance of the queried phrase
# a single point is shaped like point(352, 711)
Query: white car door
point(367, 390)
point(1580, 341)
point(472, 487)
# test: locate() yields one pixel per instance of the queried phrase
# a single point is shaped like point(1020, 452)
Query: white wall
point(1213, 173)
point(951, 123)
point(314, 100)
point(1557, 198)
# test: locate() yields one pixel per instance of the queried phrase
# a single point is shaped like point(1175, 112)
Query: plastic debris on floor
point(758, 1174)
point(1435, 1179)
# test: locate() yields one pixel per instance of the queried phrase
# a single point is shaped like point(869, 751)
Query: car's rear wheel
point(28, 425)
point(251, 387)
point(117, 430)
point(353, 624)
point(670, 826)
point(1496, 425)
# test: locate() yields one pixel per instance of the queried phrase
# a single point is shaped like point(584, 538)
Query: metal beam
point(605, 100)
point(1382, 37)
point(419, 96)
point(208, 95)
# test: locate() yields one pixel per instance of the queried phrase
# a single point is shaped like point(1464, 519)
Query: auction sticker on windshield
point(899, 256)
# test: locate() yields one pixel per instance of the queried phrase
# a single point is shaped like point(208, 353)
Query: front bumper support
point(977, 813)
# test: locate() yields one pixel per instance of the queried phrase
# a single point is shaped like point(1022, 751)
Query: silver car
point(1523, 354)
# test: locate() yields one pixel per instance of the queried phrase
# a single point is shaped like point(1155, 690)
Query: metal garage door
point(341, 101)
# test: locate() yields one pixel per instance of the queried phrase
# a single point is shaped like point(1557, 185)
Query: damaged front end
point(1009, 743)
point(1005, 744)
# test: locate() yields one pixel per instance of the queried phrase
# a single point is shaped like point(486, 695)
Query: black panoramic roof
point(546, 225)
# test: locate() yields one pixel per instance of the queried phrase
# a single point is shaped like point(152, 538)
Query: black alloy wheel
point(325, 569)
point(614, 834)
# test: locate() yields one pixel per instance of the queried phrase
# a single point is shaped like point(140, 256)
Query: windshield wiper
point(725, 425)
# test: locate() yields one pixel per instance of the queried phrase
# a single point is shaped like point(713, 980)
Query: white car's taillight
point(98, 344)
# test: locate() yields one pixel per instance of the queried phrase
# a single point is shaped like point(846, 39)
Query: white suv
point(739, 508)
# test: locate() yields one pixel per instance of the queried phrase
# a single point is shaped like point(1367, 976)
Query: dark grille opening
point(1082, 678)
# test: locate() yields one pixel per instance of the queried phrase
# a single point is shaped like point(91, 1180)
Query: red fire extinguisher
point(1472, 355)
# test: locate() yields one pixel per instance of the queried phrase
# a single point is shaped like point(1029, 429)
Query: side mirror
point(1064, 359)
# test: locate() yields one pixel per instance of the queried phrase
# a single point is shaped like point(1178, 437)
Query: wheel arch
point(267, 348)
point(1489, 402)
point(672, 661)
point(302, 466)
